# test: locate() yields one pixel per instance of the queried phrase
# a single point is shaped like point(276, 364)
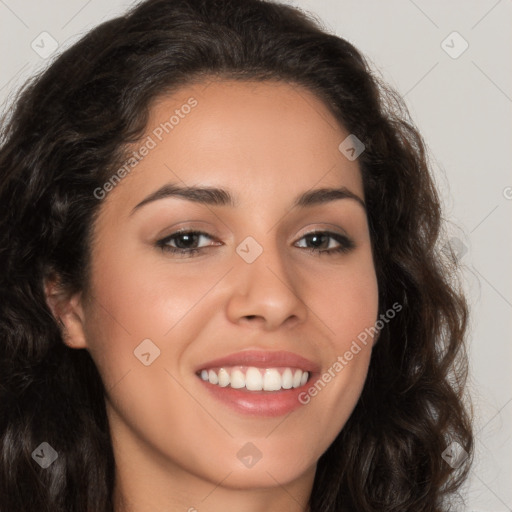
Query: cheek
point(136, 298)
point(147, 291)
point(140, 298)
point(344, 300)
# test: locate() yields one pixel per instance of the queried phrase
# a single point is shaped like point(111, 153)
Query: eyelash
point(345, 246)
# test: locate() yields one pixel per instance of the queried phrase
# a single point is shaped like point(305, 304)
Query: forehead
point(252, 137)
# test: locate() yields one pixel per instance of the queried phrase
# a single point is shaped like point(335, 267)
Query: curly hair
point(67, 131)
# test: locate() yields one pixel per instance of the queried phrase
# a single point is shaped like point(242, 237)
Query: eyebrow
point(219, 197)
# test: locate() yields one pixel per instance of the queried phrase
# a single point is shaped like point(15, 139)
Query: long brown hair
point(63, 138)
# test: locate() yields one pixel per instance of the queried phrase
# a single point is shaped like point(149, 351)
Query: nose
point(265, 293)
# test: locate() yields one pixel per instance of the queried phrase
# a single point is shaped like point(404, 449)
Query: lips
point(262, 359)
point(260, 383)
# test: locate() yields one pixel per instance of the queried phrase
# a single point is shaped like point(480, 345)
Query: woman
point(222, 287)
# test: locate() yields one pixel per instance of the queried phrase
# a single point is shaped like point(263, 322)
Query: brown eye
point(326, 242)
point(184, 242)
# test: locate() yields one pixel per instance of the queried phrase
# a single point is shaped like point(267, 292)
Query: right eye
point(184, 242)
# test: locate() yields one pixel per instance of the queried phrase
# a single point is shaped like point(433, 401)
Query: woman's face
point(255, 300)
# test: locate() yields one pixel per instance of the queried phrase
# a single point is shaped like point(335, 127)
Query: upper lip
point(262, 359)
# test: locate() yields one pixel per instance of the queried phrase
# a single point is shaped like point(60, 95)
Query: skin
point(175, 446)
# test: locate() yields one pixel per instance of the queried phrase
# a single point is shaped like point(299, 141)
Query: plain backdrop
point(458, 88)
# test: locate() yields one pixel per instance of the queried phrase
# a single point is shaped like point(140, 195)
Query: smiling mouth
point(252, 378)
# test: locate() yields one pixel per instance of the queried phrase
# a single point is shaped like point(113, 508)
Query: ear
point(68, 311)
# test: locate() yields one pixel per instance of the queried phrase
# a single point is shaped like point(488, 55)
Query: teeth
point(253, 379)
point(223, 378)
point(237, 379)
point(287, 382)
point(297, 376)
point(213, 377)
point(256, 379)
point(272, 380)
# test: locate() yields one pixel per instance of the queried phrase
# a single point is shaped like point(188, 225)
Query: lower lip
point(259, 403)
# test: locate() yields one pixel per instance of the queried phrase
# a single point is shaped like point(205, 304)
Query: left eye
point(325, 241)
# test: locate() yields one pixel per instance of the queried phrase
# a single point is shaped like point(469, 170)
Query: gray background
point(462, 107)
